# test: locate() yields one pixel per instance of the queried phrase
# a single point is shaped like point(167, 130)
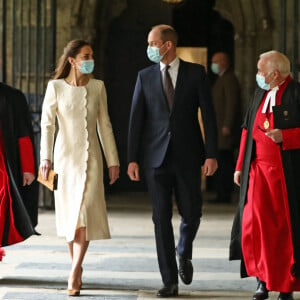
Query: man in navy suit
point(165, 139)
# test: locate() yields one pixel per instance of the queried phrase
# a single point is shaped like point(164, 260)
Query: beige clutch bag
point(51, 182)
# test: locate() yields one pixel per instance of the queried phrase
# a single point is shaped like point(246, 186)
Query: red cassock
point(8, 229)
point(266, 228)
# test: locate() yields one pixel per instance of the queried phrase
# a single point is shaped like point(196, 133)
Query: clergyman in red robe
point(266, 229)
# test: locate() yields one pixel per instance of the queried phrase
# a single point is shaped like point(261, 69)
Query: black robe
point(291, 168)
point(15, 122)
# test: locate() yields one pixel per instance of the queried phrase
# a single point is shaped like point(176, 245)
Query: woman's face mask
point(86, 66)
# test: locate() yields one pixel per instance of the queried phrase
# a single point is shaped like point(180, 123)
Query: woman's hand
point(113, 172)
point(45, 167)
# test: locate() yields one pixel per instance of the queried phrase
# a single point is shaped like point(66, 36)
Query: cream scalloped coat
point(81, 112)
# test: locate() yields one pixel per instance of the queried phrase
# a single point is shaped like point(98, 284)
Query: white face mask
point(261, 81)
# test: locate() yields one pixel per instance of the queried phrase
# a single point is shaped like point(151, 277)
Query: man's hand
point(113, 172)
point(133, 171)
point(237, 177)
point(28, 178)
point(210, 167)
point(275, 135)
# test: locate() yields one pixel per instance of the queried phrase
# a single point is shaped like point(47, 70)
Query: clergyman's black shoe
point(285, 296)
point(170, 290)
point(185, 270)
point(261, 292)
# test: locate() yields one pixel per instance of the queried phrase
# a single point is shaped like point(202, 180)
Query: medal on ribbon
point(266, 124)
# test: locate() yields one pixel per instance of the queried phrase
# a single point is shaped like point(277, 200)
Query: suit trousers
point(185, 184)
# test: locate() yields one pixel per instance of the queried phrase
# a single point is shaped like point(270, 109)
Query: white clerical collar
point(271, 98)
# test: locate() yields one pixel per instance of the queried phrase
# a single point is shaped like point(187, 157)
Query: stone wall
point(118, 31)
point(75, 19)
point(258, 28)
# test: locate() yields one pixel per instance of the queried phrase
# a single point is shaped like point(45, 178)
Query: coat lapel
point(258, 97)
point(179, 82)
point(157, 86)
point(180, 78)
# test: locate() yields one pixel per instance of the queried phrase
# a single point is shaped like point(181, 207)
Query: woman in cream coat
point(79, 104)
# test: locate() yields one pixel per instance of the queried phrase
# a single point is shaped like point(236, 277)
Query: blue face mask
point(153, 54)
point(215, 68)
point(261, 82)
point(87, 66)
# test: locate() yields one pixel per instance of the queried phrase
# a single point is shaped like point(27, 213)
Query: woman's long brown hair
point(71, 50)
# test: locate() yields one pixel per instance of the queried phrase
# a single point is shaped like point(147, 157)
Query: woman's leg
point(70, 248)
point(77, 250)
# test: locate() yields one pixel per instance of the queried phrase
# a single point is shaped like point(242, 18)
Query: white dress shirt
point(173, 70)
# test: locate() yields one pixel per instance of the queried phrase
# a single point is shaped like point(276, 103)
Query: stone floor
point(125, 267)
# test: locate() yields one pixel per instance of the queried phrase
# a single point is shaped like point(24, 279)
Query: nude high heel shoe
point(74, 291)
point(80, 278)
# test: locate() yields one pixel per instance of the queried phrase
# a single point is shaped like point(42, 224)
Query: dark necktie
point(168, 87)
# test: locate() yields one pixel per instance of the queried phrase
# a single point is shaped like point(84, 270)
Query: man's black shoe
point(285, 296)
point(185, 270)
point(167, 291)
point(261, 292)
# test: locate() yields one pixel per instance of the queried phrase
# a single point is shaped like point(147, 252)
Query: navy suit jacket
point(152, 126)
